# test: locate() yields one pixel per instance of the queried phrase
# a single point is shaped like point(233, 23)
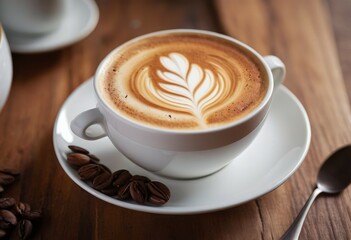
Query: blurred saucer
point(275, 154)
point(79, 20)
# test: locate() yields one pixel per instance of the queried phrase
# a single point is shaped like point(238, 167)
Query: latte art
point(182, 81)
point(184, 87)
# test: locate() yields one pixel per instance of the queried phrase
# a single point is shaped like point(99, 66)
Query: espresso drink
point(182, 81)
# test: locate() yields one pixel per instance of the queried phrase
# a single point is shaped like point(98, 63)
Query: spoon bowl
point(333, 177)
point(335, 173)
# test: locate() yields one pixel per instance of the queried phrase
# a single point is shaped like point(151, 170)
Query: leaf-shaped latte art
point(185, 87)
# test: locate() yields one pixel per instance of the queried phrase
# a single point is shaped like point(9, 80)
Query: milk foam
point(185, 87)
point(183, 81)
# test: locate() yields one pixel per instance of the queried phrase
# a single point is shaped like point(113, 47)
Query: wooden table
point(311, 37)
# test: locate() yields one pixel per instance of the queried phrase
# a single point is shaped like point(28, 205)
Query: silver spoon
point(333, 177)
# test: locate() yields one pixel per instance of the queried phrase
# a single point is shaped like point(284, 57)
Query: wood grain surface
point(311, 37)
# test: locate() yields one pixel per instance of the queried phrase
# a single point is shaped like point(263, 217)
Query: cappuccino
point(182, 81)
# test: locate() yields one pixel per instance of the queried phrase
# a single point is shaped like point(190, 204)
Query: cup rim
point(1, 33)
point(223, 127)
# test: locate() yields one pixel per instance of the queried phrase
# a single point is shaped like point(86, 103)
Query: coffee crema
point(182, 80)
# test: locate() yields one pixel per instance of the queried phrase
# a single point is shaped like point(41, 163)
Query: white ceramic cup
point(176, 153)
point(5, 68)
point(31, 16)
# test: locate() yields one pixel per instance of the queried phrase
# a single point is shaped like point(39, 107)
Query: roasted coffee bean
point(156, 200)
point(123, 192)
point(4, 224)
point(24, 228)
point(7, 202)
point(78, 149)
point(94, 158)
point(1, 189)
point(32, 215)
point(104, 168)
point(10, 171)
point(121, 177)
point(120, 184)
point(138, 191)
point(22, 208)
point(6, 179)
point(103, 180)
point(8, 219)
point(77, 159)
point(159, 193)
point(89, 171)
point(110, 191)
point(118, 172)
point(140, 178)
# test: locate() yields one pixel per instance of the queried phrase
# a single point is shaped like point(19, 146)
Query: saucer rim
point(182, 210)
point(88, 28)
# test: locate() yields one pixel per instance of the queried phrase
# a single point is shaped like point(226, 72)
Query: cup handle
point(277, 67)
point(84, 120)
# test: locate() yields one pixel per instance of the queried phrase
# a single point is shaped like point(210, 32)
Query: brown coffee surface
point(182, 81)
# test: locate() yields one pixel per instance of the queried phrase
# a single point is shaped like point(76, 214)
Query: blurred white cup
point(5, 69)
point(31, 16)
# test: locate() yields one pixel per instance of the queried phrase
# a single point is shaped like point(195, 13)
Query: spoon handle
point(293, 232)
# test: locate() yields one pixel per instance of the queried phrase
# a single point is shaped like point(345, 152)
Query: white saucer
point(275, 154)
point(79, 20)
